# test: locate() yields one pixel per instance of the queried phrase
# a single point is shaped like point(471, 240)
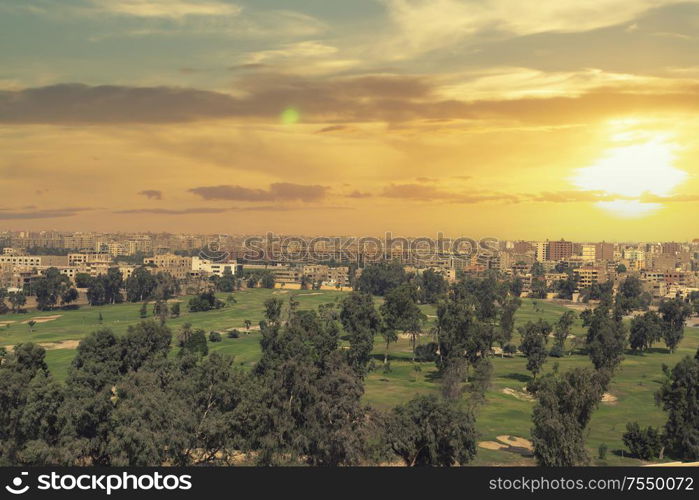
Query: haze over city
point(483, 118)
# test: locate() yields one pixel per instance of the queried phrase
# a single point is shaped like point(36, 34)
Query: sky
point(478, 118)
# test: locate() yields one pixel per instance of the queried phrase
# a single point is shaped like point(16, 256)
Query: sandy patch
point(521, 395)
point(492, 445)
point(280, 291)
point(512, 444)
point(43, 319)
point(314, 293)
point(52, 346)
point(517, 442)
point(5, 323)
point(609, 398)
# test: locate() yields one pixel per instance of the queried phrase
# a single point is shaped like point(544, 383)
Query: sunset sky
point(503, 118)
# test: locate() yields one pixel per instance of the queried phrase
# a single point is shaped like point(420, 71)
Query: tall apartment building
point(559, 250)
point(604, 251)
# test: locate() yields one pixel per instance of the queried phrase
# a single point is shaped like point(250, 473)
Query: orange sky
point(484, 118)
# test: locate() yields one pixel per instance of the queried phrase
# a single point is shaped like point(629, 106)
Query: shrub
point(214, 337)
point(426, 352)
point(642, 443)
point(233, 334)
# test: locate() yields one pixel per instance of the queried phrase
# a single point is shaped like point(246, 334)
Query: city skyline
point(480, 118)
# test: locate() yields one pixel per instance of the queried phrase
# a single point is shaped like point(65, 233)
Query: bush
point(233, 334)
point(510, 349)
point(602, 451)
point(426, 352)
point(642, 443)
point(214, 337)
point(556, 351)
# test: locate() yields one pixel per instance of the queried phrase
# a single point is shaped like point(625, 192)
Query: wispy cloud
point(281, 191)
point(152, 194)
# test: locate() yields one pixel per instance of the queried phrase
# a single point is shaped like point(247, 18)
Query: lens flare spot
point(290, 116)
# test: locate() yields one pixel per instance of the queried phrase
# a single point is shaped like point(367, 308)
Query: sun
point(624, 174)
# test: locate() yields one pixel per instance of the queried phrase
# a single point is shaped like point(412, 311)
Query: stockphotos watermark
point(100, 483)
point(419, 250)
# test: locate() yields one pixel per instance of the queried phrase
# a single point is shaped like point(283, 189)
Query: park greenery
point(406, 369)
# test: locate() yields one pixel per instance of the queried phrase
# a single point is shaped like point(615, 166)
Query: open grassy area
point(503, 414)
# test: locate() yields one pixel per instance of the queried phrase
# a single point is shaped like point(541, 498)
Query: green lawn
point(503, 414)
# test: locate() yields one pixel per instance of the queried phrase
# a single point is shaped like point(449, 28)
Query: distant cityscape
point(545, 269)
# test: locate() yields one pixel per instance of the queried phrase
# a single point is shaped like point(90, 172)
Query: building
point(177, 266)
point(588, 276)
point(559, 250)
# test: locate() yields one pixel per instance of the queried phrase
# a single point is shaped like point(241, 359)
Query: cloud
point(421, 192)
point(371, 98)
point(170, 9)
point(281, 191)
point(422, 26)
point(166, 211)
point(8, 214)
point(152, 194)
point(359, 194)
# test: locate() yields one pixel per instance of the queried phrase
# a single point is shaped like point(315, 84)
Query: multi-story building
point(177, 266)
point(559, 250)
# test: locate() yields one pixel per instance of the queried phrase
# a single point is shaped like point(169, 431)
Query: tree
point(679, 397)
point(507, 319)
point(533, 346)
point(226, 283)
point(631, 295)
point(82, 280)
point(380, 278)
point(539, 289)
point(205, 301)
point(430, 432)
point(674, 314)
point(432, 286)
point(401, 312)
point(247, 324)
point(606, 338)
point(140, 285)
point(361, 322)
point(645, 444)
point(215, 337)
point(566, 287)
point(645, 330)
point(18, 300)
point(564, 406)
point(175, 310)
point(50, 288)
point(31, 324)
point(562, 328)
point(143, 311)
point(68, 296)
point(192, 341)
point(620, 269)
point(267, 280)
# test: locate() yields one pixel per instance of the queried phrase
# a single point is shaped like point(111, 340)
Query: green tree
point(380, 278)
point(533, 346)
point(674, 314)
point(645, 330)
point(645, 444)
point(679, 397)
point(401, 312)
point(606, 339)
point(361, 322)
point(562, 329)
point(429, 432)
point(432, 286)
point(564, 406)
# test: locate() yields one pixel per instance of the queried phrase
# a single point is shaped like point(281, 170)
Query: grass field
point(503, 414)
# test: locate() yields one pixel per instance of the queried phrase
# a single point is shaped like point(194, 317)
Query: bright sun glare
point(624, 174)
